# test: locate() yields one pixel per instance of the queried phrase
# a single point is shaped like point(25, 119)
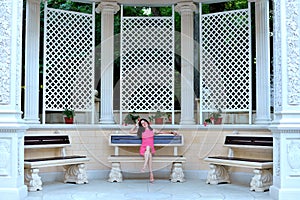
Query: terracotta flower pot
point(218, 121)
point(69, 120)
point(159, 120)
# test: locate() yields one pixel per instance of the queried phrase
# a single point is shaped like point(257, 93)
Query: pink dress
point(147, 140)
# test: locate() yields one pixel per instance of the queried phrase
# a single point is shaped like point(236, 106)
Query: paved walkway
point(143, 190)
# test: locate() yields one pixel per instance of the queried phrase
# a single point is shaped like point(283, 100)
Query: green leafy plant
point(130, 118)
point(158, 114)
point(69, 113)
point(212, 117)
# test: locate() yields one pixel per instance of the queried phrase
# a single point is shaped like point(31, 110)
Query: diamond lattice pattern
point(147, 68)
point(225, 63)
point(68, 68)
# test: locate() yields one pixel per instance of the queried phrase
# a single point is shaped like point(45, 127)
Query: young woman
point(147, 147)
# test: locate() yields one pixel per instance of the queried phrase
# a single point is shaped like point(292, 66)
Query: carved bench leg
point(75, 174)
point(115, 174)
point(177, 174)
point(217, 174)
point(33, 180)
point(261, 181)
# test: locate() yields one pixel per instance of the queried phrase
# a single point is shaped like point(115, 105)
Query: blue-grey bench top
point(134, 140)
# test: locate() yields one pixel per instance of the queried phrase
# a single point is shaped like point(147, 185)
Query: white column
point(263, 115)
point(12, 128)
point(32, 46)
point(286, 126)
point(107, 9)
point(186, 10)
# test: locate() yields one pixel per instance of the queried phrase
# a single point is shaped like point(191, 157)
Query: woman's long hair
point(141, 128)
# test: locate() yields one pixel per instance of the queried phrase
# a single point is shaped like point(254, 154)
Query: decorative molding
point(4, 157)
point(5, 52)
point(277, 57)
point(276, 157)
point(293, 51)
point(293, 152)
point(18, 57)
point(20, 157)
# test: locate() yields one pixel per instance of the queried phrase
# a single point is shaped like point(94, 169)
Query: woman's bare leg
point(146, 158)
point(150, 168)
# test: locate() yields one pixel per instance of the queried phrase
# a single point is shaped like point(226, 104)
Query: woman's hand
point(174, 133)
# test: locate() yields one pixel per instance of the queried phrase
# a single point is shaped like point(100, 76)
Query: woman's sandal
point(151, 178)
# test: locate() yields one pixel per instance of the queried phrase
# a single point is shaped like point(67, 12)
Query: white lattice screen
point(147, 64)
point(226, 62)
point(68, 61)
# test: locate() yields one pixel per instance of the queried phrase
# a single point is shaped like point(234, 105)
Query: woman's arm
point(134, 129)
point(165, 132)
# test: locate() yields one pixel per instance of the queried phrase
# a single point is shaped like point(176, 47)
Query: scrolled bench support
point(177, 174)
point(115, 174)
point(261, 181)
point(217, 174)
point(33, 180)
point(75, 174)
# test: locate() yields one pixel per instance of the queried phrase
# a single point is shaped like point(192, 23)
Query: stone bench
point(162, 140)
point(262, 168)
point(75, 170)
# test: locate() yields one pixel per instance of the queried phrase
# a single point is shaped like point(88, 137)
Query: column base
point(32, 121)
point(281, 194)
point(263, 121)
point(106, 121)
point(14, 193)
point(187, 122)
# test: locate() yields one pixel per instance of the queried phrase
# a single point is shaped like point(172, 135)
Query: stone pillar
point(12, 128)
point(186, 10)
point(263, 114)
point(107, 9)
point(286, 126)
point(32, 46)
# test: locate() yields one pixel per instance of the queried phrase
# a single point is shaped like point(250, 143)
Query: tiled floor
point(143, 190)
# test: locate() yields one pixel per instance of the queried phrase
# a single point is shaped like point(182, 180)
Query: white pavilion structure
point(284, 124)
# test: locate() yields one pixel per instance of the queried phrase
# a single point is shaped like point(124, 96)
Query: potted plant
point(214, 118)
point(130, 118)
point(158, 117)
point(69, 115)
point(169, 117)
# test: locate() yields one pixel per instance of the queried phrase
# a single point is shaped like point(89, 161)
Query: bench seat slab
point(157, 159)
point(236, 162)
point(48, 162)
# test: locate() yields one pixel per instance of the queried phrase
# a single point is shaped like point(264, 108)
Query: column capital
point(185, 7)
point(257, 1)
point(108, 7)
point(34, 1)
